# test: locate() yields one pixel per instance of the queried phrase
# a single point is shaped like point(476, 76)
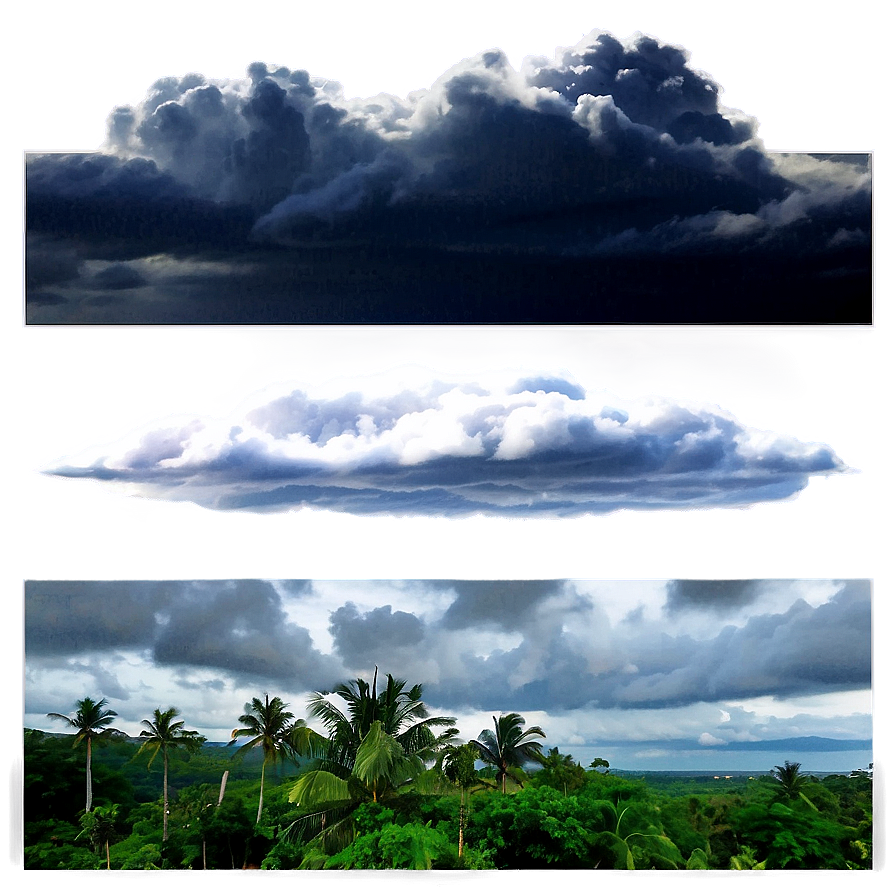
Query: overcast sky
point(72, 395)
point(676, 674)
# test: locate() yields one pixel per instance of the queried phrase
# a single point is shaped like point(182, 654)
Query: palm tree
point(164, 734)
point(457, 763)
point(379, 742)
point(400, 709)
point(276, 730)
point(561, 768)
point(509, 746)
point(99, 826)
point(91, 722)
point(789, 782)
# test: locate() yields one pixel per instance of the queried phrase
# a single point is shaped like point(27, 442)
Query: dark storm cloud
point(240, 627)
point(62, 618)
point(456, 450)
point(501, 604)
point(719, 595)
point(496, 194)
point(361, 638)
point(243, 628)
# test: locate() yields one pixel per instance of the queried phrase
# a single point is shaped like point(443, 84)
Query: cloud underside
point(496, 194)
point(536, 646)
point(540, 447)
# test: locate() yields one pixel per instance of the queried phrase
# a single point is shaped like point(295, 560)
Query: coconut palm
point(91, 721)
point(378, 742)
point(280, 735)
point(163, 734)
point(789, 782)
point(509, 746)
point(99, 826)
point(457, 762)
point(561, 769)
point(400, 709)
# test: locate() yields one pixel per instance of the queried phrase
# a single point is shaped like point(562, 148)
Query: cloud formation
point(238, 626)
point(496, 194)
point(452, 450)
point(556, 648)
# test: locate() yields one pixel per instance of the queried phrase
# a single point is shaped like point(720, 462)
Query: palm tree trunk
point(89, 779)
point(108, 862)
point(460, 826)
point(261, 791)
point(223, 786)
point(165, 799)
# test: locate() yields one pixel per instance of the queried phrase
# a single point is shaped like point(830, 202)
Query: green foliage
point(91, 722)
point(276, 731)
point(283, 855)
point(698, 861)
point(98, 825)
point(399, 709)
point(794, 836)
point(535, 828)
point(686, 823)
point(789, 781)
point(51, 844)
point(377, 746)
point(509, 746)
point(654, 851)
point(163, 733)
point(560, 771)
point(612, 851)
point(146, 858)
point(410, 846)
point(458, 764)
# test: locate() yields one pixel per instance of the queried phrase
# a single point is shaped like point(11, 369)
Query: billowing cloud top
point(496, 194)
point(542, 446)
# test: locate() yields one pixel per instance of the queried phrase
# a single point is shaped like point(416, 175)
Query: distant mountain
point(807, 744)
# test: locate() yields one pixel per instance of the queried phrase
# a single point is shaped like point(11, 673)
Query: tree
point(99, 826)
point(163, 733)
point(598, 763)
point(789, 782)
point(91, 721)
point(276, 730)
point(509, 746)
point(561, 771)
point(381, 740)
point(400, 709)
point(457, 762)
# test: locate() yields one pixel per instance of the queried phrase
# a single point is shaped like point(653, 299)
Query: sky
point(682, 674)
point(601, 181)
point(759, 458)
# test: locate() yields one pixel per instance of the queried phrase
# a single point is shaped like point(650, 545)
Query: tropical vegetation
point(163, 733)
point(91, 722)
point(382, 783)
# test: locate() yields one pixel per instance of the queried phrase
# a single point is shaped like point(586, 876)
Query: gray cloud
point(671, 682)
point(503, 604)
point(77, 617)
point(362, 639)
point(804, 650)
point(240, 627)
point(455, 450)
point(719, 595)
